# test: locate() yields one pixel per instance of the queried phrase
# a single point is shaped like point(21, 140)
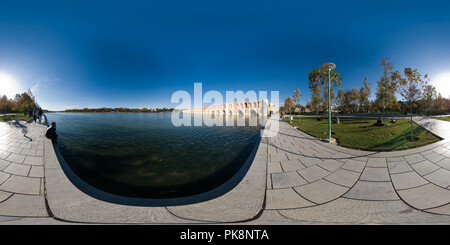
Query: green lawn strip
point(362, 135)
point(443, 118)
point(22, 117)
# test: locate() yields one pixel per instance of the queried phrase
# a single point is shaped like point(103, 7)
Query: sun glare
point(442, 84)
point(8, 85)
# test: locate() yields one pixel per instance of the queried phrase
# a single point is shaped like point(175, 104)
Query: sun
point(8, 85)
point(442, 84)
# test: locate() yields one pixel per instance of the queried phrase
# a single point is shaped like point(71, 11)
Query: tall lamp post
point(329, 67)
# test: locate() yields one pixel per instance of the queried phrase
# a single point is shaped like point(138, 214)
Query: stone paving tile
point(4, 195)
point(309, 161)
point(375, 191)
point(375, 174)
point(30, 160)
point(441, 210)
point(354, 165)
point(440, 177)
point(292, 165)
point(343, 177)
point(321, 191)
point(285, 198)
point(3, 177)
point(341, 155)
point(426, 196)
point(28, 152)
point(42, 190)
point(24, 205)
point(15, 158)
point(284, 180)
point(3, 164)
point(36, 171)
point(18, 169)
point(274, 167)
point(23, 185)
point(377, 162)
point(4, 154)
point(269, 182)
point(440, 149)
point(16, 150)
point(39, 153)
point(3, 147)
point(428, 152)
point(398, 167)
point(353, 211)
point(330, 165)
point(278, 157)
point(25, 146)
point(434, 157)
point(313, 173)
point(425, 167)
point(444, 163)
point(446, 154)
point(415, 158)
point(395, 159)
point(24, 141)
point(15, 144)
point(407, 180)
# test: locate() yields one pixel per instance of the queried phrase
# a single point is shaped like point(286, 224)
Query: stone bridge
point(251, 108)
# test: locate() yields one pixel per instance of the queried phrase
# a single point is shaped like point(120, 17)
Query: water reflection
point(144, 155)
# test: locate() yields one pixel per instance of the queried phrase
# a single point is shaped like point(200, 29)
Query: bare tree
point(386, 86)
point(410, 88)
point(364, 94)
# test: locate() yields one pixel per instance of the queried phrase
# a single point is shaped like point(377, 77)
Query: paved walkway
point(21, 171)
point(293, 179)
point(308, 180)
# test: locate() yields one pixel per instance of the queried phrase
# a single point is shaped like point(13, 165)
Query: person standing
point(35, 112)
point(40, 114)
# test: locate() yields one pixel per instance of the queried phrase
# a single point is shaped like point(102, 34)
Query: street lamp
point(329, 67)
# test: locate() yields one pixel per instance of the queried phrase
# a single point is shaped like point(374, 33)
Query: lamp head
point(329, 66)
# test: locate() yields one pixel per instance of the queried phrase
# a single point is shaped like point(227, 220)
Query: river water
point(144, 155)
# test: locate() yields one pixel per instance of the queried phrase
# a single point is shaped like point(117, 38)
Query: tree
point(386, 86)
point(296, 96)
point(316, 102)
point(440, 103)
point(4, 104)
point(364, 94)
point(288, 103)
point(318, 83)
point(351, 99)
point(429, 96)
point(410, 87)
point(339, 100)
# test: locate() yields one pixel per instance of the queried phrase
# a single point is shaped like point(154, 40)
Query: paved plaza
point(292, 178)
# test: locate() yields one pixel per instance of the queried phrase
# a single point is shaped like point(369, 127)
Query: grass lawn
point(22, 117)
point(443, 118)
point(361, 134)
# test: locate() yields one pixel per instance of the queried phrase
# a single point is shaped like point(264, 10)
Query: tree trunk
point(410, 111)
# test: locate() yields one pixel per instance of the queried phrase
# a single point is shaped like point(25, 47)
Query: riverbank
point(293, 178)
point(360, 134)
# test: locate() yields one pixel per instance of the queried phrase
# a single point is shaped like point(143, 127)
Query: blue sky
point(76, 54)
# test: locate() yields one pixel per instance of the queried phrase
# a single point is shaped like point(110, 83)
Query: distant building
point(252, 108)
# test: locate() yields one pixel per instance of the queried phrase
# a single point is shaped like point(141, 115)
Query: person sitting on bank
point(51, 133)
point(336, 120)
point(319, 119)
point(378, 123)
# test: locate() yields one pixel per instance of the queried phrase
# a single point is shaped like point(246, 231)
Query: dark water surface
point(144, 155)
